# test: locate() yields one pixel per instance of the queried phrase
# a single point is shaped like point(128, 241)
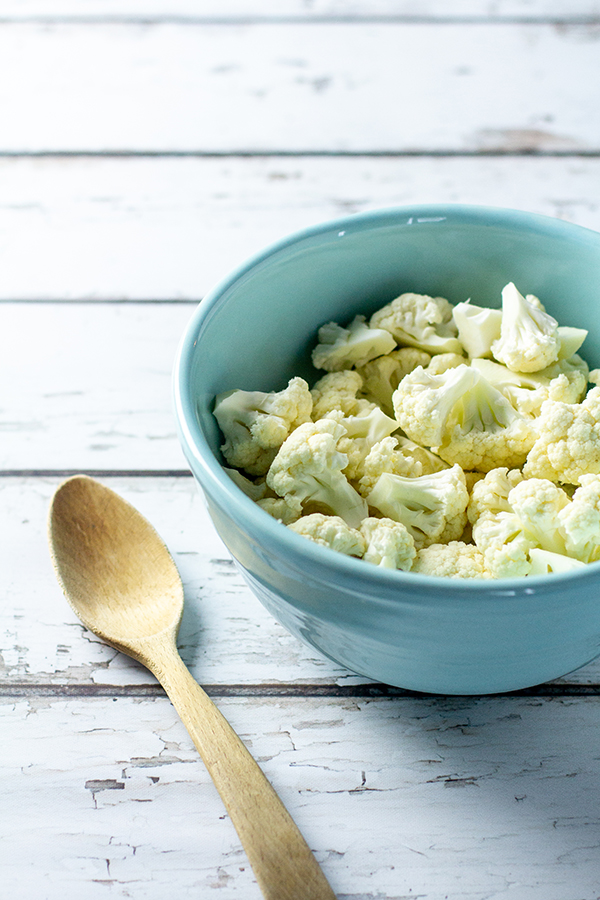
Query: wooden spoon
point(120, 580)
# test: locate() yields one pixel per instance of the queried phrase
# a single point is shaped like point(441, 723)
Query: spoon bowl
point(120, 580)
point(114, 568)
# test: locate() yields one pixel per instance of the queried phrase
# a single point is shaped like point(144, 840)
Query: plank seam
point(273, 691)
point(325, 19)
point(262, 153)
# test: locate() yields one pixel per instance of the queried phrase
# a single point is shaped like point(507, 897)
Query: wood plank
point(402, 798)
point(91, 386)
point(332, 87)
point(148, 228)
point(569, 10)
point(226, 635)
point(226, 638)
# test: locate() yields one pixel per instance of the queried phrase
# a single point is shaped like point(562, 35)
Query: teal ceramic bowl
point(255, 331)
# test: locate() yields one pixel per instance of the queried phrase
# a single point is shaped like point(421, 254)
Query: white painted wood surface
point(351, 86)
point(170, 228)
point(146, 148)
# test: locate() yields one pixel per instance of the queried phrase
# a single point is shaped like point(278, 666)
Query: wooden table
point(146, 147)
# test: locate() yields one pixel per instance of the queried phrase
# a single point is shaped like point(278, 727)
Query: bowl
point(255, 330)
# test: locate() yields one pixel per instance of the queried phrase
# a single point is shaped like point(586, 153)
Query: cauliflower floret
point(463, 419)
point(388, 544)
point(490, 494)
point(566, 380)
point(441, 362)
point(382, 376)
point(538, 503)
point(478, 327)
point(453, 560)
point(580, 521)
point(529, 339)
point(400, 456)
point(505, 546)
point(337, 391)
point(308, 467)
point(255, 424)
point(433, 507)
point(342, 348)
point(544, 562)
point(362, 433)
point(417, 320)
point(571, 340)
point(332, 532)
point(284, 509)
point(568, 445)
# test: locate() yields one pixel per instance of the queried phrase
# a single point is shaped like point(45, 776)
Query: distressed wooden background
point(146, 147)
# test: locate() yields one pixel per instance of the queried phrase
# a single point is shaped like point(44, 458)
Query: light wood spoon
point(120, 580)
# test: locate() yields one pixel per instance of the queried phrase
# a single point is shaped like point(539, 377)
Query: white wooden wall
point(146, 147)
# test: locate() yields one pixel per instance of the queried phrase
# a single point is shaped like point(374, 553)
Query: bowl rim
point(325, 562)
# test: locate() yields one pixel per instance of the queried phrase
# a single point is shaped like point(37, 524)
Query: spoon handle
point(283, 864)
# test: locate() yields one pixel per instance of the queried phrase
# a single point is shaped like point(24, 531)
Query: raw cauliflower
point(399, 456)
point(343, 348)
point(565, 380)
point(568, 445)
point(529, 339)
point(256, 424)
point(389, 544)
point(382, 376)
point(436, 443)
point(309, 468)
point(453, 560)
point(463, 418)
point(417, 320)
point(330, 531)
point(338, 391)
point(363, 431)
point(432, 507)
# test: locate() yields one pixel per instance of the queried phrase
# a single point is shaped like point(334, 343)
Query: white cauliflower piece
point(255, 424)
point(565, 380)
point(463, 418)
point(363, 431)
point(571, 340)
point(388, 544)
point(538, 504)
point(580, 521)
point(478, 328)
point(284, 509)
point(330, 531)
point(417, 320)
point(453, 560)
point(338, 391)
point(441, 362)
point(400, 456)
point(432, 507)
point(568, 445)
point(544, 562)
point(342, 348)
point(504, 544)
point(382, 376)
point(309, 468)
point(529, 339)
point(490, 494)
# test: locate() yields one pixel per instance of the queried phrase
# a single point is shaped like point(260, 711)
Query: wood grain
point(403, 797)
point(169, 228)
point(143, 10)
point(279, 87)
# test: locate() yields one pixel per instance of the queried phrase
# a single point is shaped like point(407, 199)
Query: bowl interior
point(256, 329)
